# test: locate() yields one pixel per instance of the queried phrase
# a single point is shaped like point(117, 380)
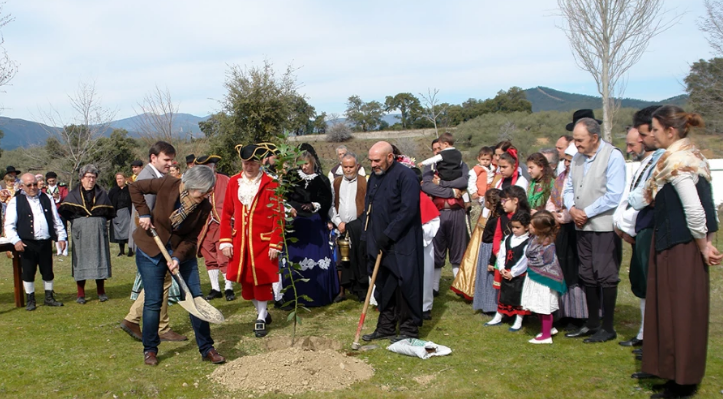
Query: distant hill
point(182, 123)
point(547, 99)
point(22, 133)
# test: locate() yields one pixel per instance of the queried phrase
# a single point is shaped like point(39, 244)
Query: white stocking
point(437, 277)
point(518, 322)
point(455, 270)
point(48, 285)
point(29, 287)
point(642, 318)
point(213, 276)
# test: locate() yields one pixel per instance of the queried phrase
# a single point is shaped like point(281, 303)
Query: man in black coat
point(393, 225)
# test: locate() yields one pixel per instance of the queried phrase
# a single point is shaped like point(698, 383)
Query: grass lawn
point(78, 351)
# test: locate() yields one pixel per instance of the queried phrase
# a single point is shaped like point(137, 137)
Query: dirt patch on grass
point(312, 364)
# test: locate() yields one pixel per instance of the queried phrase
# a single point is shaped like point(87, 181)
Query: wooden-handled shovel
point(359, 327)
point(197, 306)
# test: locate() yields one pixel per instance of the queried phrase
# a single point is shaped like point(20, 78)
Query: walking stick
point(197, 306)
point(359, 327)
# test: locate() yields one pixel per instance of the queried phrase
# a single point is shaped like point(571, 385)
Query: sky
point(465, 49)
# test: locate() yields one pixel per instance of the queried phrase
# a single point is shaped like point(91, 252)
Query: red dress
point(252, 231)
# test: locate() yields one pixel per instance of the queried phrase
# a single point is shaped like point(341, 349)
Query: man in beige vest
point(349, 191)
point(592, 193)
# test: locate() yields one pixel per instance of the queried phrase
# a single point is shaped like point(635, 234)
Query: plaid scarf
point(180, 214)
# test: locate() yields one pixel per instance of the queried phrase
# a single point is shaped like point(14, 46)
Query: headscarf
point(680, 157)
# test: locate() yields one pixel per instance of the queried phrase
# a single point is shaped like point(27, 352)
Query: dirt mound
point(312, 364)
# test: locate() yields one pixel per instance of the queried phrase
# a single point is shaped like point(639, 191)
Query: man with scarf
point(88, 208)
point(392, 224)
point(452, 235)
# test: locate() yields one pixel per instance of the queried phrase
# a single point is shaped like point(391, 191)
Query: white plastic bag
point(419, 348)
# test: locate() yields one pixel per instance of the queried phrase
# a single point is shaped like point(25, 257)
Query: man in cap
point(190, 161)
point(208, 248)
point(10, 170)
point(136, 168)
point(250, 233)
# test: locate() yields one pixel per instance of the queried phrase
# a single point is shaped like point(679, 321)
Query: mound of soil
point(312, 364)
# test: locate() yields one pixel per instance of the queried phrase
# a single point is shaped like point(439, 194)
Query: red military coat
point(217, 198)
point(252, 231)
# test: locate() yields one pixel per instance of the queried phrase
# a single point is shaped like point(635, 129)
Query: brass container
point(344, 245)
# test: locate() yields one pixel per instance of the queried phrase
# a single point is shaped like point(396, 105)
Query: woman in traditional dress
point(310, 200)
point(120, 198)
point(678, 297)
point(88, 208)
point(573, 304)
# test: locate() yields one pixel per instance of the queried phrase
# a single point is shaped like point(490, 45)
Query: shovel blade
point(197, 306)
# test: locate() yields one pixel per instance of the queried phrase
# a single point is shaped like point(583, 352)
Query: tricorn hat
point(579, 114)
point(251, 152)
point(207, 159)
point(190, 158)
point(11, 169)
point(270, 148)
point(137, 162)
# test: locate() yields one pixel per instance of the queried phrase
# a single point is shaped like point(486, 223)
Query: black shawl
point(82, 203)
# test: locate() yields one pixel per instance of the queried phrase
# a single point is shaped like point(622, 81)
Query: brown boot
point(133, 329)
point(172, 336)
point(150, 358)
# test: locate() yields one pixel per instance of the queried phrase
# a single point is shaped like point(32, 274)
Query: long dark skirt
point(313, 254)
point(485, 295)
point(676, 314)
point(573, 302)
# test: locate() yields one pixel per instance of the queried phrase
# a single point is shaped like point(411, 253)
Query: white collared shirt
point(40, 225)
point(347, 202)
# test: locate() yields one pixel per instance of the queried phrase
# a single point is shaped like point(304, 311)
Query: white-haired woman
point(88, 208)
point(179, 214)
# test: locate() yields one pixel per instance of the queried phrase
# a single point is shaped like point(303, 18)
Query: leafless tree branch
point(155, 116)
point(607, 37)
point(432, 108)
point(712, 24)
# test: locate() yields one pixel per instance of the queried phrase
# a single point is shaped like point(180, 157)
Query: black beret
point(137, 163)
point(190, 158)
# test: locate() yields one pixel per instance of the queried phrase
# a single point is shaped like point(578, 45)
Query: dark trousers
point(396, 308)
point(153, 272)
point(37, 254)
point(451, 237)
point(354, 275)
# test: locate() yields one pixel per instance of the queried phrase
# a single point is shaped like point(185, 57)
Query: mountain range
point(23, 133)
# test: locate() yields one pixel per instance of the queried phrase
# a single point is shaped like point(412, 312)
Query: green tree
point(260, 105)
point(114, 154)
point(364, 116)
point(513, 100)
point(320, 123)
point(407, 104)
point(704, 84)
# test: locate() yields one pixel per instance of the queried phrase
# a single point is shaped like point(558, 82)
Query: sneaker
point(553, 332)
point(540, 341)
point(81, 300)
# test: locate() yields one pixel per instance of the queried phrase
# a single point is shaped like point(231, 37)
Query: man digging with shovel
point(180, 213)
point(392, 224)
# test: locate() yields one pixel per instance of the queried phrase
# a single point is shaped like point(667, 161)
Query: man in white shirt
point(337, 170)
point(348, 192)
point(31, 224)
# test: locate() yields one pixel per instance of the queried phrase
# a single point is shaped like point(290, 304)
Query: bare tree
point(76, 140)
point(607, 37)
point(155, 116)
point(8, 67)
point(338, 132)
point(432, 109)
point(712, 24)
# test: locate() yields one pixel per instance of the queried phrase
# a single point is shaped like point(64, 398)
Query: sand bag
point(419, 348)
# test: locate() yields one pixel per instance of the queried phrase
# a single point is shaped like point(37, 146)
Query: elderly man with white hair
point(33, 234)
